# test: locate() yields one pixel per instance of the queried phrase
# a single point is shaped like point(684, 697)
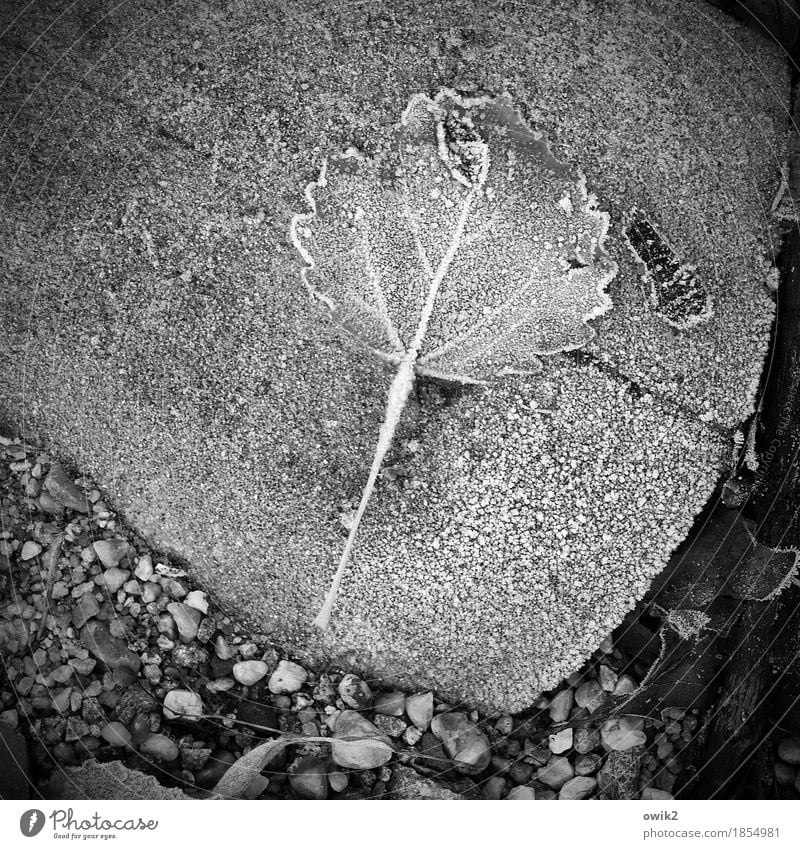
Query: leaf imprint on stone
point(678, 295)
point(462, 251)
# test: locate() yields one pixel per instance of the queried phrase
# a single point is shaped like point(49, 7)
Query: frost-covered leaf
point(462, 251)
point(468, 199)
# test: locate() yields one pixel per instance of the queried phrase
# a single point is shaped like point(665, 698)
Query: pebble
point(159, 746)
point(116, 734)
point(463, 742)
point(114, 578)
point(308, 778)
point(361, 754)
point(198, 600)
point(61, 700)
point(113, 651)
point(350, 723)
point(520, 772)
point(625, 686)
point(10, 718)
point(86, 608)
point(187, 620)
point(150, 592)
point(784, 774)
point(64, 490)
point(561, 705)
point(355, 692)
point(189, 657)
point(519, 794)
point(256, 787)
point(391, 725)
point(607, 678)
point(219, 762)
point(557, 772)
point(111, 551)
point(653, 794)
point(560, 742)
point(30, 550)
point(494, 788)
point(504, 726)
point(419, 709)
point(585, 739)
point(589, 695)
point(249, 672)
point(144, 568)
point(183, 704)
point(289, 677)
point(338, 780)
point(61, 674)
point(223, 650)
point(577, 788)
point(587, 764)
point(390, 704)
point(623, 733)
point(325, 692)
point(412, 735)
point(194, 757)
point(789, 750)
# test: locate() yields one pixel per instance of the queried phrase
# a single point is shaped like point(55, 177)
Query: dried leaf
point(234, 784)
point(463, 252)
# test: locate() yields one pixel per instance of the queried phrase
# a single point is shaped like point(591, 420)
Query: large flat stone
point(156, 334)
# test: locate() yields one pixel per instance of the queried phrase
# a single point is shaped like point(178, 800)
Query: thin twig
point(51, 558)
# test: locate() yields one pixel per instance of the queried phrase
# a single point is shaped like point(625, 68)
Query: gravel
point(120, 687)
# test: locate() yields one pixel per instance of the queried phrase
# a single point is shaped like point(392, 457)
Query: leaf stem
point(396, 401)
point(398, 393)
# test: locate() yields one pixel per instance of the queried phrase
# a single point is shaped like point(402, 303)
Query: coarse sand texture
point(156, 332)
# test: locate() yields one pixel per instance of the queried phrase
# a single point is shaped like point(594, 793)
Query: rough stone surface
point(144, 295)
point(406, 783)
point(619, 777)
